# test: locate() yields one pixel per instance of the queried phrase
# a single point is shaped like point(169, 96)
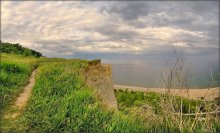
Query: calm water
point(147, 72)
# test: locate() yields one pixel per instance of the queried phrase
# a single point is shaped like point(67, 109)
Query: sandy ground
point(209, 94)
point(22, 99)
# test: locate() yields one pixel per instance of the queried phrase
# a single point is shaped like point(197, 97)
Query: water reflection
point(147, 73)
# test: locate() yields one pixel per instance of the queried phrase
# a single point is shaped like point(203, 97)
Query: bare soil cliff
point(99, 76)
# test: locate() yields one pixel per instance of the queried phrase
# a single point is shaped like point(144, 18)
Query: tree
point(18, 49)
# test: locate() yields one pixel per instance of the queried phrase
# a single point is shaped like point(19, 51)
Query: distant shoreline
point(210, 93)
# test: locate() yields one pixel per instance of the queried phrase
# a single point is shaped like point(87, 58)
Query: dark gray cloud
point(197, 15)
point(130, 10)
point(114, 32)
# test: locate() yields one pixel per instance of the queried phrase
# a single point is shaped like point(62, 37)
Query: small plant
point(94, 62)
point(11, 68)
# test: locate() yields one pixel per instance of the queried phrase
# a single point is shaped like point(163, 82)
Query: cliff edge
point(99, 76)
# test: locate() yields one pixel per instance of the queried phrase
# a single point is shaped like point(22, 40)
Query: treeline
point(18, 49)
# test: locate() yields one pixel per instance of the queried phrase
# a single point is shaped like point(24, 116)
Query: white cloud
point(166, 33)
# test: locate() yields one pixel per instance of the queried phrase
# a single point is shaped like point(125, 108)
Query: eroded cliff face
point(99, 76)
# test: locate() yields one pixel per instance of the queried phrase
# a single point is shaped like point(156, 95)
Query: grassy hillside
point(62, 102)
point(18, 49)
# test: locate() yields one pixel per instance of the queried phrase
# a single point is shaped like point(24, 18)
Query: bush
point(18, 49)
point(162, 110)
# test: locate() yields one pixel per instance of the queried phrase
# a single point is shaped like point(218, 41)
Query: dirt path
point(22, 99)
point(11, 114)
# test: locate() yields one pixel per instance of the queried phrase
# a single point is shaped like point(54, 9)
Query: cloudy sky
point(108, 28)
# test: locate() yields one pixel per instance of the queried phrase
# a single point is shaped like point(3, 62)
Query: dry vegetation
point(175, 113)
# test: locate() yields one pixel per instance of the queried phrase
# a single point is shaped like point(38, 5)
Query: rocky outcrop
point(99, 76)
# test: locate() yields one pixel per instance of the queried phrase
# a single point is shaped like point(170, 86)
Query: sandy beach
point(209, 94)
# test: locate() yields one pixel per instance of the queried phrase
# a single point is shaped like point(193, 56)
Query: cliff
point(99, 76)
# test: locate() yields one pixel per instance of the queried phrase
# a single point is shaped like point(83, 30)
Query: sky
point(108, 29)
point(137, 38)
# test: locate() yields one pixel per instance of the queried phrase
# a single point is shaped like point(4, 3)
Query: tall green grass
point(127, 99)
point(14, 73)
point(61, 102)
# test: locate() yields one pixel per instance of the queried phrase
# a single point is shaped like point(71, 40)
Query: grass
point(128, 99)
point(164, 110)
point(14, 73)
point(61, 102)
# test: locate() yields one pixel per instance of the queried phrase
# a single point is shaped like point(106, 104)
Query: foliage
point(18, 49)
point(154, 108)
point(95, 61)
point(130, 99)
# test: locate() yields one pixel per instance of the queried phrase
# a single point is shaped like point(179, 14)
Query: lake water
point(147, 72)
point(144, 70)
